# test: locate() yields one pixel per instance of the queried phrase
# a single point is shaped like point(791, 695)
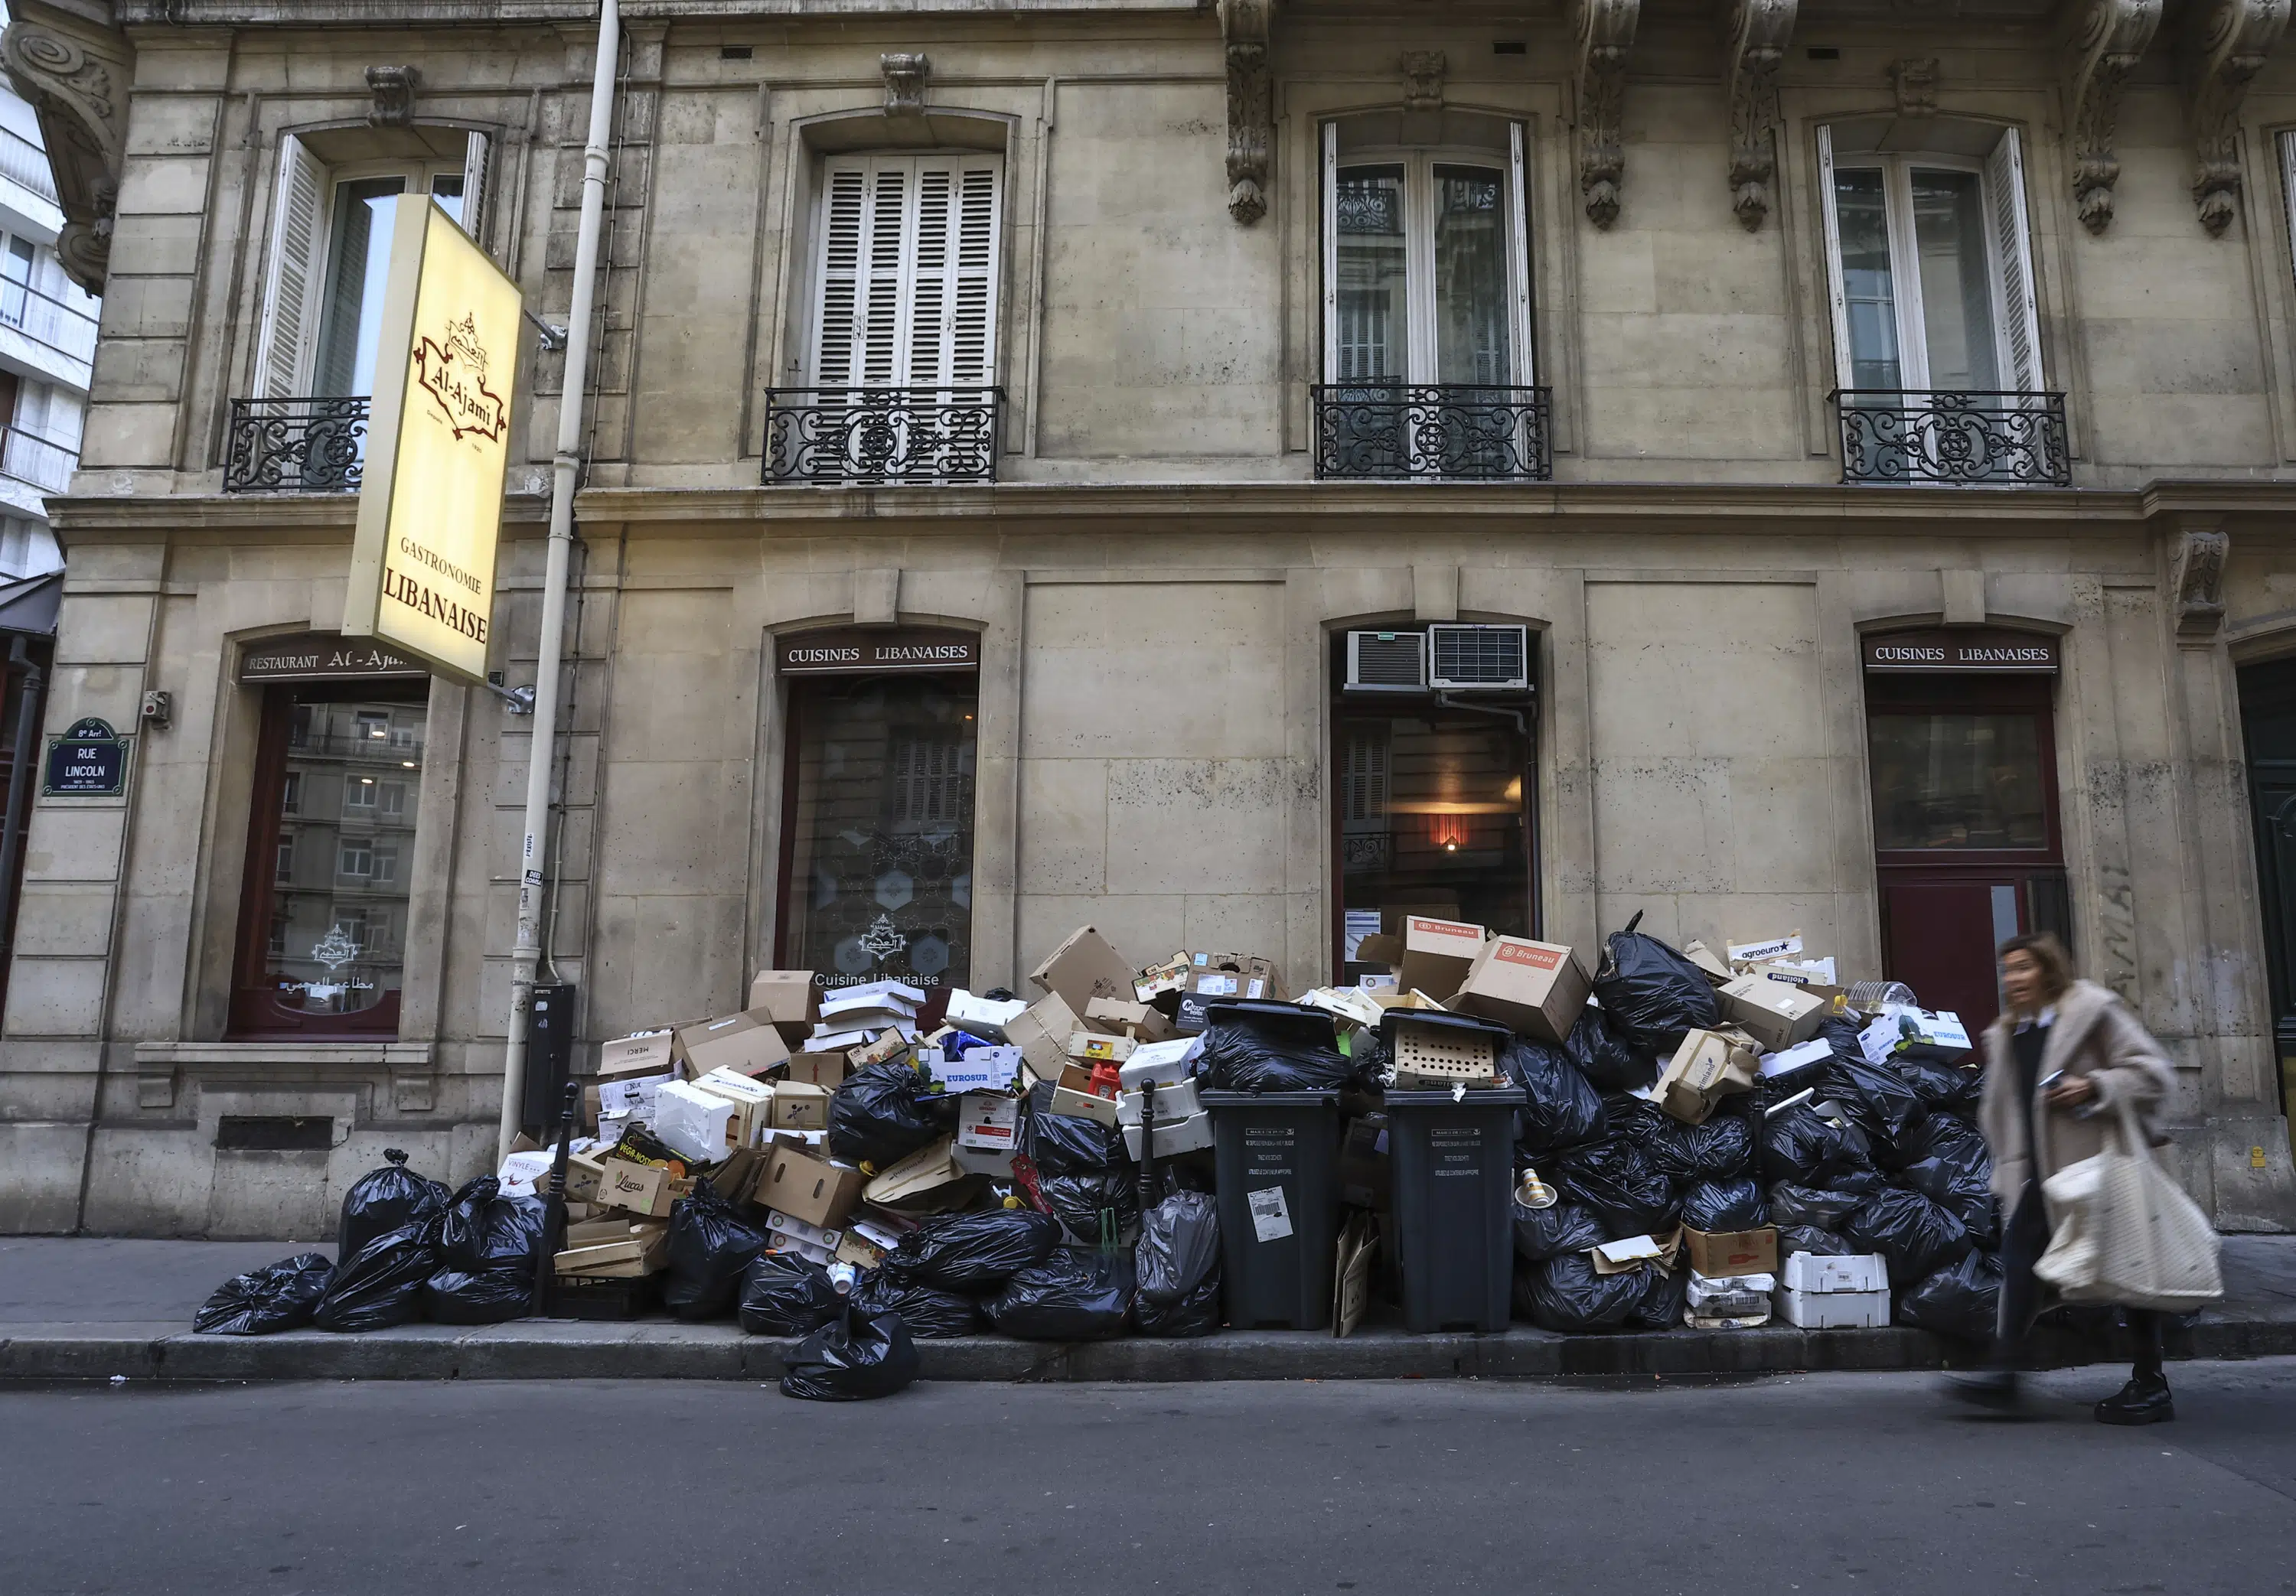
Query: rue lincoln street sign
point(89, 760)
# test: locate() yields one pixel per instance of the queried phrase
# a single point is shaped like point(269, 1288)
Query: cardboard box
point(1833, 1310)
point(1815, 1272)
point(799, 1106)
point(889, 1044)
point(1166, 1063)
point(990, 1121)
point(827, 1070)
point(1367, 1171)
point(1172, 1104)
point(698, 1126)
point(1158, 979)
point(1537, 989)
point(641, 1052)
point(1136, 1020)
point(786, 999)
point(1382, 947)
point(1711, 964)
point(1351, 1273)
point(981, 1070)
point(1776, 1014)
point(1707, 1068)
point(625, 1255)
point(980, 1161)
point(1216, 983)
point(1066, 1099)
point(1173, 1136)
point(813, 1189)
point(1093, 1047)
point(1437, 955)
point(740, 1043)
point(583, 1173)
point(1719, 1254)
point(1083, 967)
point(647, 1189)
point(982, 1017)
point(753, 1102)
point(929, 1180)
point(1042, 1032)
point(858, 1250)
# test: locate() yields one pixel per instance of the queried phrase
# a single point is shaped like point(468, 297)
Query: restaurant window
point(877, 827)
point(338, 769)
point(1433, 809)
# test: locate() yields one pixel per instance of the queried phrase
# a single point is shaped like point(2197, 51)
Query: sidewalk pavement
point(92, 1308)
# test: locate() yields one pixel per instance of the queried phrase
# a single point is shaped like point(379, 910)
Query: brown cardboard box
point(929, 1180)
point(804, 1187)
point(1157, 979)
point(1721, 1254)
point(819, 1069)
point(1709, 964)
point(1380, 948)
point(741, 1042)
point(786, 999)
point(1437, 955)
point(890, 1043)
point(1776, 1014)
point(1042, 1032)
point(1068, 1101)
point(1083, 967)
point(583, 1172)
point(1095, 1047)
point(801, 1107)
point(1708, 1066)
point(642, 1052)
point(1137, 1021)
point(1537, 989)
point(647, 1189)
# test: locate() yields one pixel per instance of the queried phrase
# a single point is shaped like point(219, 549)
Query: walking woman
point(2058, 1063)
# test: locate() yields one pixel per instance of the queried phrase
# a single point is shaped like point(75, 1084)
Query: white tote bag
point(2122, 1232)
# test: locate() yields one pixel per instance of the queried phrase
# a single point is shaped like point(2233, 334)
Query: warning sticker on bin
point(1271, 1218)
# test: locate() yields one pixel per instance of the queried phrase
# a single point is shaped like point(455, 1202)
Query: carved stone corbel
point(393, 88)
point(1244, 28)
point(1916, 80)
point(2196, 579)
point(76, 71)
point(1422, 79)
point(1754, 36)
point(2228, 48)
point(1605, 33)
point(2114, 35)
point(905, 83)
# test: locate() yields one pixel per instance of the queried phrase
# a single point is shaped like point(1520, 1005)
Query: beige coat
point(2096, 1036)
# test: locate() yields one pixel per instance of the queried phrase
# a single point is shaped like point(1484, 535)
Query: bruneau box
point(1437, 955)
point(1537, 989)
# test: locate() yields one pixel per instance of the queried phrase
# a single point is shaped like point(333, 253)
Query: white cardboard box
point(1173, 1135)
point(1816, 1272)
point(1172, 1103)
point(1833, 1310)
point(1166, 1063)
point(989, 1121)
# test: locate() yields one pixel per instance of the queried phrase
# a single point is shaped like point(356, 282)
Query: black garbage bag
point(1561, 1107)
point(380, 1284)
point(1244, 1052)
point(882, 1113)
point(1635, 1120)
point(710, 1246)
point(853, 1359)
point(1723, 1205)
point(1619, 1182)
point(976, 1252)
point(277, 1297)
point(388, 1198)
point(1720, 1149)
point(1651, 994)
point(930, 1312)
point(1176, 1266)
point(1962, 1185)
point(1799, 1146)
point(1875, 1096)
point(1665, 1295)
point(484, 1230)
point(1565, 1293)
point(1825, 1207)
point(1807, 1238)
point(1963, 1299)
point(1071, 1144)
point(1095, 1208)
point(1941, 1136)
point(785, 1294)
point(1543, 1233)
point(490, 1296)
point(1609, 1061)
point(1914, 1234)
point(1078, 1294)
point(1943, 1087)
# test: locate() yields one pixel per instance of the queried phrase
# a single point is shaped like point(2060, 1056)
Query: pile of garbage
point(1696, 1140)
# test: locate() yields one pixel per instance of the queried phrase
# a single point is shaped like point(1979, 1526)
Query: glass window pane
point(1956, 285)
point(880, 882)
point(1374, 319)
point(1867, 283)
point(348, 804)
point(358, 258)
point(1957, 781)
point(1470, 277)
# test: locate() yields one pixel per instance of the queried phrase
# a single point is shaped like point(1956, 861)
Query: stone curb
point(657, 1350)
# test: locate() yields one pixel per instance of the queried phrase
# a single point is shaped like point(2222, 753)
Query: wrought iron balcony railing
point(1969, 438)
point(1396, 431)
point(296, 445)
point(920, 436)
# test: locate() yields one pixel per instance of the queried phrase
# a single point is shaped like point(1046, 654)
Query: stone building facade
point(1743, 355)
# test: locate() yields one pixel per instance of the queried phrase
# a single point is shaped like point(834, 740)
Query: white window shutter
point(972, 320)
point(2021, 322)
point(1837, 296)
point(298, 234)
point(906, 295)
point(1518, 256)
point(887, 256)
point(933, 275)
point(1330, 252)
point(474, 186)
point(838, 280)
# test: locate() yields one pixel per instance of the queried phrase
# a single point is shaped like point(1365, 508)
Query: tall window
point(331, 250)
point(1930, 266)
point(905, 288)
point(334, 812)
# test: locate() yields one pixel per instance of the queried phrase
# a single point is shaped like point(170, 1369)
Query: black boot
point(2143, 1400)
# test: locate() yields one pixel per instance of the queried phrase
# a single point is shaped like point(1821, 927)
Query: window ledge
point(302, 1055)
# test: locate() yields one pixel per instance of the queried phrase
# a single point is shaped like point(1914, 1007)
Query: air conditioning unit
point(1492, 658)
point(1387, 661)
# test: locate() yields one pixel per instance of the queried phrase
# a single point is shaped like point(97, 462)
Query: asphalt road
point(1824, 1483)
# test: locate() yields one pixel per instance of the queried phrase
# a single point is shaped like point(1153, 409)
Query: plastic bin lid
point(1275, 1016)
point(1487, 1097)
point(1213, 1096)
point(1443, 1019)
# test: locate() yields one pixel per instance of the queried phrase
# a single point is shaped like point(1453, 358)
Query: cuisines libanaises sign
point(1962, 649)
point(858, 650)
